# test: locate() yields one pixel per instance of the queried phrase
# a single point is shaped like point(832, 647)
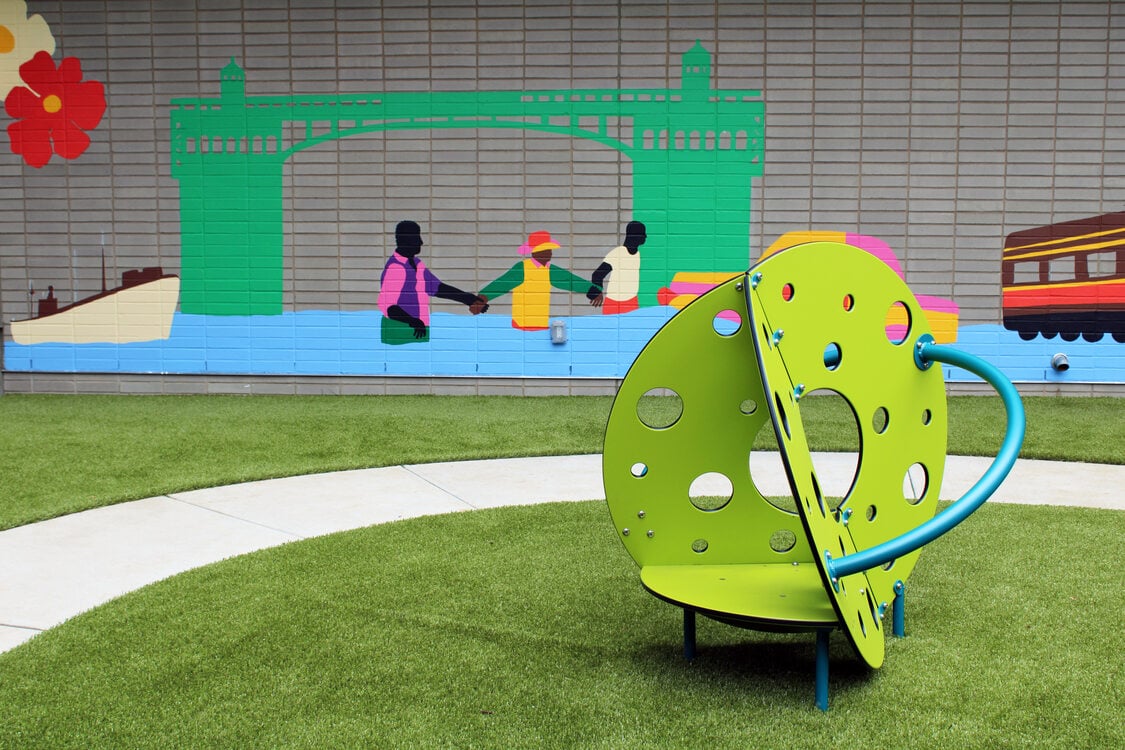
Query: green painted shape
point(694, 151)
point(648, 473)
point(801, 292)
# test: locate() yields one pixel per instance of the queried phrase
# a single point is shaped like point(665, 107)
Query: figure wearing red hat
point(530, 283)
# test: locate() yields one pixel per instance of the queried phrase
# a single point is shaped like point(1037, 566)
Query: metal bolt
point(625, 532)
point(651, 533)
point(738, 286)
point(640, 514)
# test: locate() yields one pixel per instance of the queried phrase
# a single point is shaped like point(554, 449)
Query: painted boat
point(141, 309)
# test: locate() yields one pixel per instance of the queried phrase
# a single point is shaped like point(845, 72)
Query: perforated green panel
point(648, 472)
point(824, 316)
point(820, 313)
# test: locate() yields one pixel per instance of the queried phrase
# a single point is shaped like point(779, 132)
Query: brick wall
point(939, 127)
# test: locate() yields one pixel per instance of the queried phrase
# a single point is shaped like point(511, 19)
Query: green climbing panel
point(741, 359)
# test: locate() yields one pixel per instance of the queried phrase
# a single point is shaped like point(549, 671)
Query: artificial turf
point(60, 454)
point(527, 627)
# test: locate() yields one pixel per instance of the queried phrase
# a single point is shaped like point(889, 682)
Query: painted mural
point(694, 150)
point(1067, 280)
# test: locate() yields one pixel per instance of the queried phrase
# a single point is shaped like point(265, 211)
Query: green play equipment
point(815, 317)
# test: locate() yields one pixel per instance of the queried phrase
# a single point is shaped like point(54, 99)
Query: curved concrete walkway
point(53, 570)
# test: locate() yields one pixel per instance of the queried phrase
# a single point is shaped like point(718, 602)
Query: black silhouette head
point(408, 238)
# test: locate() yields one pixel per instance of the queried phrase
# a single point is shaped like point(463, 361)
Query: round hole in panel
point(888, 565)
point(915, 483)
point(872, 511)
point(832, 356)
point(660, 408)
point(767, 471)
point(927, 416)
point(880, 419)
point(727, 323)
point(699, 546)
point(748, 406)
point(638, 469)
point(849, 303)
point(782, 541)
point(897, 324)
point(862, 624)
point(787, 292)
point(711, 491)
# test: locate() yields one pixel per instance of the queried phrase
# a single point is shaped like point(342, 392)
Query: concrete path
point(53, 570)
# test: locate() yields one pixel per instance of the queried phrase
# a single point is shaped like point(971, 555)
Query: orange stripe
point(1070, 250)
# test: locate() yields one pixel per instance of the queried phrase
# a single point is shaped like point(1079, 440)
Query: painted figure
point(623, 267)
point(530, 282)
point(405, 289)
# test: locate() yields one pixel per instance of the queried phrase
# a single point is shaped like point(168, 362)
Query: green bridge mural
point(694, 151)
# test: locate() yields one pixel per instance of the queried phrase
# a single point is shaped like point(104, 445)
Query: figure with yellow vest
point(530, 282)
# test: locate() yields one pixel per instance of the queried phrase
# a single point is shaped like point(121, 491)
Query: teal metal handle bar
point(926, 352)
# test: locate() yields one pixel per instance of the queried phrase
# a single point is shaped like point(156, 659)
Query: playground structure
point(816, 316)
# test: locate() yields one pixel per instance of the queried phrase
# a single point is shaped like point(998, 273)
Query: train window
point(1102, 264)
point(1026, 272)
point(1063, 269)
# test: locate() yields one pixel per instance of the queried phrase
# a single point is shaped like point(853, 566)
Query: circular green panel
point(830, 316)
point(657, 447)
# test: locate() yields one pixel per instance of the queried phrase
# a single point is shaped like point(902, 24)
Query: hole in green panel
point(782, 541)
point(915, 483)
point(872, 511)
point(849, 303)
point(897, 325)
point(638, 469)
point(880, 420)
point(727, 323)
point(660, 408)
point(787, 292)
point(927, 416)
point(767, 470)
point(782, 416)
point(833, 423)
point(819, 497)
point(748, 407)
point(711, 491)
point(832, 356)
point(699, 546)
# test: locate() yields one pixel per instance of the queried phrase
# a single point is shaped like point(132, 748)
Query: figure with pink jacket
point(405, 289)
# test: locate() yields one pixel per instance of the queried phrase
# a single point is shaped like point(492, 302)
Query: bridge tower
point(225, 156)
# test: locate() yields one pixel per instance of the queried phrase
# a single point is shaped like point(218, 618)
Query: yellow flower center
point(52, 103)
point(7, 40)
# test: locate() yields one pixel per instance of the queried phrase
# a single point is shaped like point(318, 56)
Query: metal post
point(898, 612)
point(822, 669)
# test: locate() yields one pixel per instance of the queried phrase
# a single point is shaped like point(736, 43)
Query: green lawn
point(527, 627)
point(60, 454)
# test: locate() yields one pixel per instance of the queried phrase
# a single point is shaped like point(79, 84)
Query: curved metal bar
point(926, 353)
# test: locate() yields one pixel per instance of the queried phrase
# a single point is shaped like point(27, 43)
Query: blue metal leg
point(689, 634)
point(822, 669)
point(898, 613)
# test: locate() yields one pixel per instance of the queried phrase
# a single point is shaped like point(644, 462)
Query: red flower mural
point(54, 111)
